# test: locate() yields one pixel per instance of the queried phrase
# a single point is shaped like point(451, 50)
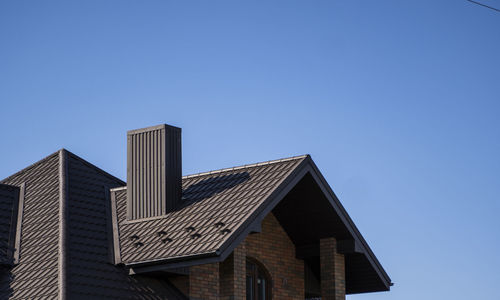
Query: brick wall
point(332, 271)
point(232, 274)
point(204, 283)
point(274, 249)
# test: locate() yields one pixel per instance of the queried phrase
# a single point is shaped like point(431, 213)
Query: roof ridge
point(247, 166)
point(232, 168)
point(29, 167)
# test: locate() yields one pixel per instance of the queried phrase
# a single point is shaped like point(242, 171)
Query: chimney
point(154, 171)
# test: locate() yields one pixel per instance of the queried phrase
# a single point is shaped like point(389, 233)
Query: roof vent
point(225, 231)
point(166, 240)
point(219, 224)
point(195, 236)
point(154, 171)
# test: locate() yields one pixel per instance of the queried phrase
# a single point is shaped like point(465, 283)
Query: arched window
point(258, 281)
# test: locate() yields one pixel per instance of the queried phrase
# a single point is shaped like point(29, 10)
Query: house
point(272, 230)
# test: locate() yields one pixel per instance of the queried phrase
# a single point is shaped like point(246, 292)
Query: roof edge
point(184, 259)
point(96, 168)
point(271, 201)
point(33, 165)
point(352, 227)
point(247, 166)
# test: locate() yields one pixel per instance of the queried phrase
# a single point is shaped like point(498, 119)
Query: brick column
point(332, 271)
point(204, 282)
point(233, 275)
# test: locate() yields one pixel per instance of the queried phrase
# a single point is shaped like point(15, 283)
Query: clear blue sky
point(398, 103)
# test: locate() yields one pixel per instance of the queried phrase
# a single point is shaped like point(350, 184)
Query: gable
point(274, 249)
point(190, 235)
point(308, 214)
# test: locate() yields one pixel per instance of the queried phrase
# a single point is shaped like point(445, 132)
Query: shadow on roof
point(206, 188)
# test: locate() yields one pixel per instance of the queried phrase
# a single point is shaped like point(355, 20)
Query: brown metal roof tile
point(229, 196)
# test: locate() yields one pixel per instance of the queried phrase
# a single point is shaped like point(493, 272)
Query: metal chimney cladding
point(154, 171)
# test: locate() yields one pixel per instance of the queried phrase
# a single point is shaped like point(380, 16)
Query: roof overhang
point(312, 211)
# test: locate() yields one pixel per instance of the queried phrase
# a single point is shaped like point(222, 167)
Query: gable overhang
point(367, 271)
point(365, 274)
point(309, 213)
point(356, 245)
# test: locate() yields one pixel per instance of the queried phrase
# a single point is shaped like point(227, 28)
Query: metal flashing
point(151, 128)
point(109, 224)
point(116, 189)
point(63, 193)
point(178, 262)
point(246, 166)
point(19, 224)
point(116, 231)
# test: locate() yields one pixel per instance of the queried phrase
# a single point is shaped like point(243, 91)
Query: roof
point(220, 208)
point(67, 254)
point(73, 237)
point(215, 206)
point(36, 274)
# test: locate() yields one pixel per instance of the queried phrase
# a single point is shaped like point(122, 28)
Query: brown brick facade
point(332, 271)
point(276, 252)
point(232, 275)
point(274, 249)
point(204, 283)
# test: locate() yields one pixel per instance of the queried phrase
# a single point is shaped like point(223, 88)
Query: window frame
point(259, 269)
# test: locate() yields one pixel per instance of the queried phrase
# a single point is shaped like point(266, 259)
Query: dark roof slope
point(36, 275)
point(90, 272)
point(216, 204)
point(84, 271)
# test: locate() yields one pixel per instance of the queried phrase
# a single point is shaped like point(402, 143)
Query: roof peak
point(247, 166)
point(58, 152)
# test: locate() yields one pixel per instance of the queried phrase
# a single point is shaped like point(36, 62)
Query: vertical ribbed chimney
point(154, 171)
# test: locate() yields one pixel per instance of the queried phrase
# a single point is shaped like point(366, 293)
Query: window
point(258, 281)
